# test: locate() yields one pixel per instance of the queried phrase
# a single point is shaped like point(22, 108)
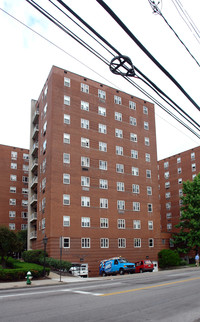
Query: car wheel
point(104, 274)
point(121, 271)
point(141, 271)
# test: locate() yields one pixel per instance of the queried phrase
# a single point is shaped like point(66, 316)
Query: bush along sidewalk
point(18, 270)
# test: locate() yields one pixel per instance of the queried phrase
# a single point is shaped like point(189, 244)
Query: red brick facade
point(14, 187)
point(93, 150)
point(172, 172)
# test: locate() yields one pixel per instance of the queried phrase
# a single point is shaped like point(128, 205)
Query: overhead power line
point(125, 28)
point(158, 11)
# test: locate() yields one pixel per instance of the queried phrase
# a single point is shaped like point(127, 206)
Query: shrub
point(55, 264)
point(33, 256)
point(168, 258)
point(20, 270)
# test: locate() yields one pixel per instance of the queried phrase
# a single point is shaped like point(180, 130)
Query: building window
point(25, 179)
point(120, 186)
point(137, 242)
point(120, 204)
point(24, 214)
point(132, 121)
point(25, 191)
point(84, 88)
point(193, 176)
point(103, 146)
point(132, 105)
point(179, 180)
point(45, 110)
point(148, 173)
point(166, 175)
point(180, 192)
point(133, 137)
point(136, 206)
point(117, 100)
point(121, 242)
point(12, 214)
point(66, 100)
point(66, 200)
point(119, 150)
point(135, 171)
point(179, 170)
point(134, 154)
point(85, 162)
point(13, 165)
point(85, 242)
point(150, 207)
point(66, 82)
point(25, 156)
point(101, 111)
point(102, 128)
point(12, 202)
point(25, 203)
point(103, 184)
point(145, 110)
point(104, 222)
point(149, 191)
point(178, 160)
point(136, 224)
point(168, 215)
point(12, 226)
point(24, 226)
point(43, 204)
point(136, 188)
point(13, 155)
point(169, 227)
point(168, 205)
point(146, 125)
point(66, 158)
point(85, 221)
point(193, 156)
point(150, 225)
point(121, 223)
point(118, 133)
point(85, 124)
point(103, 203)
point(85, 201)
point(167, 185)
point(193, 167)
point(101, 94)
point(167, 195)
point(66, 242)
point(102, 165)
point(166, 165)
point(104, 243)
point(85, 143)
point(44, 147)
point(118, 116)
point(66, 178)
point(151, 242)
point(66, 138)
point(85, 181)
point(119, 168)
point(66, 221)
point(66, 119)
point(146, 141)
point(85, 106)
point(13, 189)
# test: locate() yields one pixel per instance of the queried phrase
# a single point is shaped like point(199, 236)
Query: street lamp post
point(45, 240)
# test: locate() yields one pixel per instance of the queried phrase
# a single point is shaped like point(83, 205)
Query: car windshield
point(147, 262)
point(123, 260)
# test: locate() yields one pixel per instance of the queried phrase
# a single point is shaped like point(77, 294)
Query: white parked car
point(79, 270)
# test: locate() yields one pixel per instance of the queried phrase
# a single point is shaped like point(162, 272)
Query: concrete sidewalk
point(53, 279)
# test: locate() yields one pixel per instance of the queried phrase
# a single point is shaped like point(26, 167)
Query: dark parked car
point(144, 266)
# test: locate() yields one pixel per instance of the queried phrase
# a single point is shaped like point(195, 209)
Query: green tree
point(22, 240)
point(8, 244)
point(188, 238)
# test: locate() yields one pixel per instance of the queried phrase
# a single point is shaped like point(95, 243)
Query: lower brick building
point(172, 172)
point(14, 167)
point(93, 172)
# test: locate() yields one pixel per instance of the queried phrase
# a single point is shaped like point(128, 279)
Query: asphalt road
point(163, 296)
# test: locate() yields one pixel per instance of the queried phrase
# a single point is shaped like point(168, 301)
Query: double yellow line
point(149, 287)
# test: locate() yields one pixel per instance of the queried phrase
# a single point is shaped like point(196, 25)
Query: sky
point(26, 58)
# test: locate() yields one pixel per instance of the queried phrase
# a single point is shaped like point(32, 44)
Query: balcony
point(35, 132)
point(36, 116)
point(34, 165)
point(33, 217)
point(33, 201)
point(34, 149)
point(33, 234)
point(34, 182)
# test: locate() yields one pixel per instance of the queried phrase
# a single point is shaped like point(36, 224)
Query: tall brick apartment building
point(93, 172)
point(14, 167)
point(172, 172)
